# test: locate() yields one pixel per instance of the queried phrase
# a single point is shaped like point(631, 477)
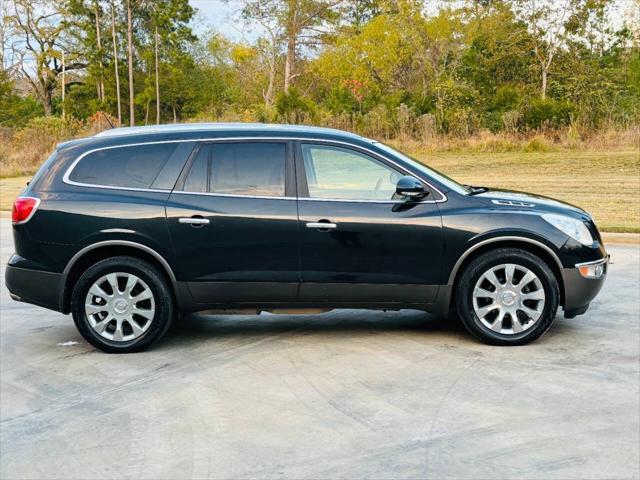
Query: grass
point(606, 184)
point(9, 190)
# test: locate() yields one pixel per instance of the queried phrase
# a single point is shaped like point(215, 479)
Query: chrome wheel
point(508, 298)
point(120, 307)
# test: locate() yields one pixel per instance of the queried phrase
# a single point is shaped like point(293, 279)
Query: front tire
point(122, 305)
point(507, 296)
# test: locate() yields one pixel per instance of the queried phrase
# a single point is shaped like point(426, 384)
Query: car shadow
point(202, 326)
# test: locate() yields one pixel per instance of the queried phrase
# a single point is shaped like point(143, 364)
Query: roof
point(218, 127)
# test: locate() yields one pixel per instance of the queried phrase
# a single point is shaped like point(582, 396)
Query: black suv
point(128, 229)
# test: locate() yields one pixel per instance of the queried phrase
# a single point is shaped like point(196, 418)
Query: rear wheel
point(122, 304)
point(507, 296)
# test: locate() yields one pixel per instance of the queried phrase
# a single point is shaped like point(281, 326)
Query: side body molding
point(474, 247)
point(124, 243)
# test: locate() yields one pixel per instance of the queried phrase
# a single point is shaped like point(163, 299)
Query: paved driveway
point(348, 394)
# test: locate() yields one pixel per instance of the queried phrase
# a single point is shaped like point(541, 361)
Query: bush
point(32, 144)
point(546, 113)
point(292, 107)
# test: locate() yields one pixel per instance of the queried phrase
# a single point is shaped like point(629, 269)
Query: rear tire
point(122, 305)
point(507, 296)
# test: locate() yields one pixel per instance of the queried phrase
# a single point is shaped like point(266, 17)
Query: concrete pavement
point(348, 394)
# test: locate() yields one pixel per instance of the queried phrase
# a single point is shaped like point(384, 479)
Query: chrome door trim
point(474, 247)
point(71, 167)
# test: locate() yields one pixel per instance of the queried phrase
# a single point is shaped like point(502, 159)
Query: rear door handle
point(322, 225)
point(196, 221)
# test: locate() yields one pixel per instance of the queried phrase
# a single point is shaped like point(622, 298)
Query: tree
point(42, 31)
point(114, 41)
point(550, 23)
point(294, 23)
point(132, 106)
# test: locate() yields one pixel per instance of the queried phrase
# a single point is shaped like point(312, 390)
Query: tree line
point(380, 67)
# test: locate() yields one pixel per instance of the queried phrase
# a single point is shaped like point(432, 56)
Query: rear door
point(359, 242)
point(233, 223)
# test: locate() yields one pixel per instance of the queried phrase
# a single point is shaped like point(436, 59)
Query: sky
point(222, 15)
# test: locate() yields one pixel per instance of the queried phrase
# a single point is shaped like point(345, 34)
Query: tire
point(119, 324)
point(534, 304)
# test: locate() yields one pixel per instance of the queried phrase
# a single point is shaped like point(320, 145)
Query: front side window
point(239, 169)
point(344, 174)
point(135, 166)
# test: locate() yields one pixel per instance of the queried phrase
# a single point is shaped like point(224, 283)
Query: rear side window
point(239, 169)
point(134, 166)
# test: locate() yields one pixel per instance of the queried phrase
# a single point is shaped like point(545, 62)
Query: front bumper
point(34, 286)
point(580, 290)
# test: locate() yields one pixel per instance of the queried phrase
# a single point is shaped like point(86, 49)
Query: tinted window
point(340, 173)
point(197, 178)
point(248, 169)
point(135, 167)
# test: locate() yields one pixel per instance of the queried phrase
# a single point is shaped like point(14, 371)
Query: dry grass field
point(607, 184)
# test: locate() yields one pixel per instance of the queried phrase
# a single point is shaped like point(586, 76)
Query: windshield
point(437, 176)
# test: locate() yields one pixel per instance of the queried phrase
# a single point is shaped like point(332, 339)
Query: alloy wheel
point(508, 298)
point(120, 306)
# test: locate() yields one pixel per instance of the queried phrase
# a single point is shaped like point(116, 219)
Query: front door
point(233, 223)
point(359, 242)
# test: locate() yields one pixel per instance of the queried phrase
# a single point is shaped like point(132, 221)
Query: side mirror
point(411, 187)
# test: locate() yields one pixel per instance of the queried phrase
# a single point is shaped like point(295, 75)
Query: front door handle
point(195, 221)
point(322, 225)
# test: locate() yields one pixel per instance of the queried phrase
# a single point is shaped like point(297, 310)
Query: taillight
point(23, 209)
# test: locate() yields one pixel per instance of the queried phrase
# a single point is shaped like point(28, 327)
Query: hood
point(511, 199)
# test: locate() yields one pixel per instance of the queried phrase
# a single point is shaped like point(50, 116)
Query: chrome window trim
point(69, 170)
point(232, 195)
point(266, 197)
point(474, 247)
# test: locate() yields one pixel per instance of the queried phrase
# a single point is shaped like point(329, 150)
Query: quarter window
point(340, 173)
point(134, 166)
point(239, 169)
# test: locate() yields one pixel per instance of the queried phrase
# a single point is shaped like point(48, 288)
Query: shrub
point(30, 145)
point(545, 113)
point(292, 107)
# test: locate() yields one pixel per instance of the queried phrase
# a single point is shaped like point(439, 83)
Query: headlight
point(572, 227)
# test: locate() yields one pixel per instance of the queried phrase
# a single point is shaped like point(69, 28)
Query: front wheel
point(121, 305)
point(507, 296)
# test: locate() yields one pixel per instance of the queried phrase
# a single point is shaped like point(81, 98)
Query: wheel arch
point(530, 245)
point(93, 253)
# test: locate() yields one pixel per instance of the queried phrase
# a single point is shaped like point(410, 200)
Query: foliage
point(384, 68)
